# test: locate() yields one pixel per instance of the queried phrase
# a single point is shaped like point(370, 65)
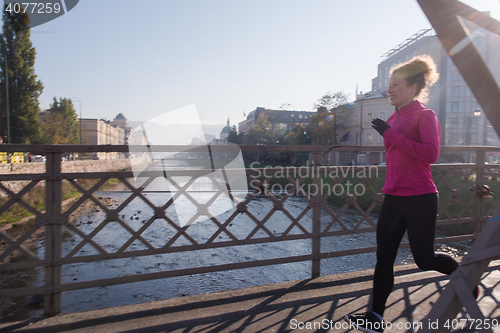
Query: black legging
point(416, 214)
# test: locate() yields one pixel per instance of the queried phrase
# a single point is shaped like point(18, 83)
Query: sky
point(145, 58)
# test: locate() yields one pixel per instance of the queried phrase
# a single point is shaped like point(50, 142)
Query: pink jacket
point(412, 144)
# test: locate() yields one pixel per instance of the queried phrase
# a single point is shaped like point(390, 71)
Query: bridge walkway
point(311, 305)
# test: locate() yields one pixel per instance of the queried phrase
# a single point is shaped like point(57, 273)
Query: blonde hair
point(420, 70)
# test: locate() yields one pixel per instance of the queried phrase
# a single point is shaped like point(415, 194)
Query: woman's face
point(400, 94)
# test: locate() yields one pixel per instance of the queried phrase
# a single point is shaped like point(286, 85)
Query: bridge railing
point(338, 201)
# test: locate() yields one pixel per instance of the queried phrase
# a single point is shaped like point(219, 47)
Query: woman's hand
point(380, 125)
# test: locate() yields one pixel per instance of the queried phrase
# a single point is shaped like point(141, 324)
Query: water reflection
point(137, 213)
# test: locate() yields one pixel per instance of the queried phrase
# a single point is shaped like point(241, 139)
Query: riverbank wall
point(66, 167)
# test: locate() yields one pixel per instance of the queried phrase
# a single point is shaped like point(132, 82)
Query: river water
point(137, 212)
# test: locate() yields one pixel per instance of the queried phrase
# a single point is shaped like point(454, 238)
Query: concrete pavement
point(312, 305)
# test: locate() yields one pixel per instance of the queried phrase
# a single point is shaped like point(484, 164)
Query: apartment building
point(450, 97)
point(358, 131)
point(284, 119)
point(103, 132)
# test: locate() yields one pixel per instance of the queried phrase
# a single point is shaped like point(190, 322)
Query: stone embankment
point(68, 167)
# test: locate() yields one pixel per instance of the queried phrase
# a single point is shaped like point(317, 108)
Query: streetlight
point(7, 97)
point(80, 120)
point(6, 87)
point(468, 122)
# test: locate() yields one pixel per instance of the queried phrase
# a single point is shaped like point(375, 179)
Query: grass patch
point(36, 198)
point(456, 201)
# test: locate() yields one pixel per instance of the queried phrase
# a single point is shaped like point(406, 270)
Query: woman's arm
point(430, 136)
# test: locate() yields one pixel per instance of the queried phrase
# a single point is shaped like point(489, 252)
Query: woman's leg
point(421, 214)
point(391, 227)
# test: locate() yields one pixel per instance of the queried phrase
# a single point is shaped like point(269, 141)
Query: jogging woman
point(412, 137)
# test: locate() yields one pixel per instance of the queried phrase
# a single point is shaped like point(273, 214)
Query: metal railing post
point(480, 178)
point(315, 198)
point(53, 234)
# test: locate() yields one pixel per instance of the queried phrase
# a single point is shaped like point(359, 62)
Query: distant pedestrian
point(412, 137)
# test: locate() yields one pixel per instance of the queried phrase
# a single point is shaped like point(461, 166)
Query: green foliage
point(234, 137)
point(328, 121)
point(36, 198)
point(60, 126)
point(24, 88)
point(299, 135)
point(265, 131)
point(325, 126)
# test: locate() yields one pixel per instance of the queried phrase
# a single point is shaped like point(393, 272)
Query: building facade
point(358, 131)
point(282, 118)
point(225, 131)
point(450, 97)
point(121, 121)
point(103, 132)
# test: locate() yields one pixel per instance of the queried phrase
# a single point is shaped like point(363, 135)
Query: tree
point(62, 118)
point(262, 132)
point(24, 88)
point(328, 121)
point(234, 137)
point(299, 135)
point(53, 129)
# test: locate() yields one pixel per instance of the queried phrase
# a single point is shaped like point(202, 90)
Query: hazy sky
point(144, 58)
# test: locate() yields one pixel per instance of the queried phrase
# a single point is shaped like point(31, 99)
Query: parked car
point(38, 158)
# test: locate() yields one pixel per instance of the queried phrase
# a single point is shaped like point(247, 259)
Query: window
point(356, 120)
point(467, 107)
point(454, 107)
point(454, 122)
point(382, 115)
point(406, 57)
point(399, 60)
point(449, 76)
point(448, 107)
point(468, 93)
point(369, 117)
point(300, 116)
point(473, 138)
point(369, 138)
point(414, 52)
point(455, 91)
point(461, 122)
